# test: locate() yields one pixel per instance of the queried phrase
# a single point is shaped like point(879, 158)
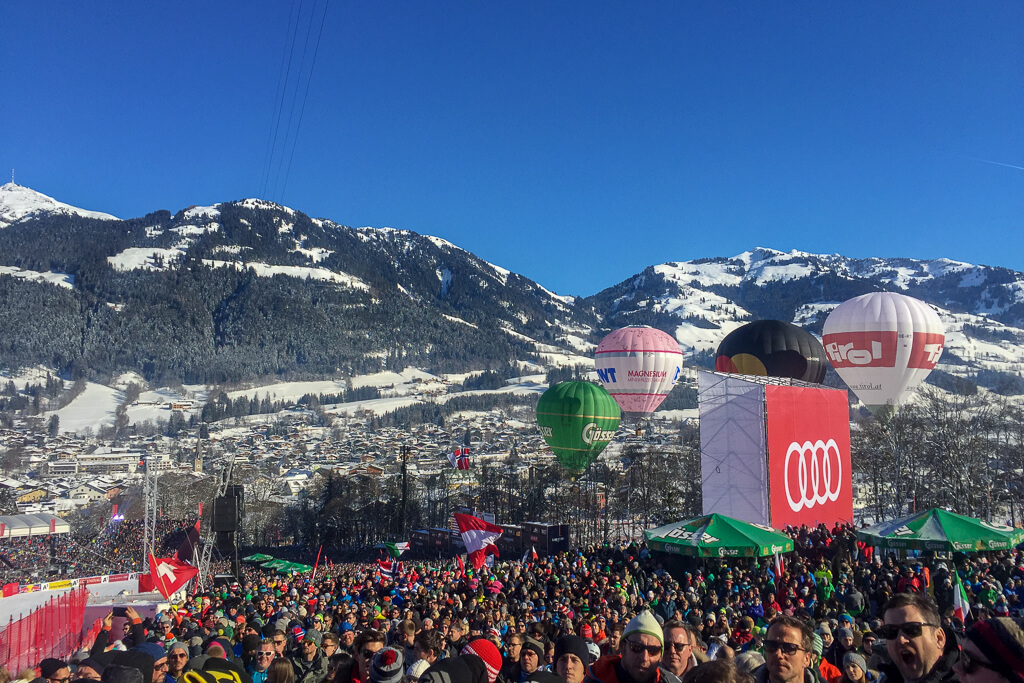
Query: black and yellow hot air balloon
point(772, 348)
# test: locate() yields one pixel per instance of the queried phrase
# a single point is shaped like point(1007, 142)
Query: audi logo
point(816, 463)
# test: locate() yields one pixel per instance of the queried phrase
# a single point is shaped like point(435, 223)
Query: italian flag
point(395, 550)
point(961, 608)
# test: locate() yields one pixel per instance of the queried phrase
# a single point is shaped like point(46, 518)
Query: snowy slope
point(16, 202)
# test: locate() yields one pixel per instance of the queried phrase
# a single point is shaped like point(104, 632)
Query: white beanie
point(645, 623)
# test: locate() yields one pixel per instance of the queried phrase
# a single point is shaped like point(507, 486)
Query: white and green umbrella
point(716, 535)
point(938, 529)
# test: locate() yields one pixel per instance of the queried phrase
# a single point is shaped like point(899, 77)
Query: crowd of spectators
point(837, 613)
point(117, 548)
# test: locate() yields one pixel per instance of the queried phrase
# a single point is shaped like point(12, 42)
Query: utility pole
point(404, 454)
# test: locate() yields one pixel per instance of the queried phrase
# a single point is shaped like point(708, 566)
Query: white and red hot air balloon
point(883, 345)
point(638, 366)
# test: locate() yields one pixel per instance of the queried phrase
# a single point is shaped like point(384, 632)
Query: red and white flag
point(961, 607)
point(169, 574)
point(479, 536)
point(780, 570)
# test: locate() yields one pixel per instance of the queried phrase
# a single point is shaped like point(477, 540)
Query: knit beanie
point(572, 645)
point(417, 669)
point(151, 649)
point(817, 644)
point(844, 633)
point(387, 666)
point(449, 670)
point(644, 623)
point(1001, 640)
point(854, 658)
point(488, 652)
point(50, 666)
point(534, 645)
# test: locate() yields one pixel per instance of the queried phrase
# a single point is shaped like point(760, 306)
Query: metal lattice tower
point(209, 537)
point(149, 489)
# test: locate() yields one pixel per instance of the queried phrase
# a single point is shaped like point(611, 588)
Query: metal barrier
point(52, 630)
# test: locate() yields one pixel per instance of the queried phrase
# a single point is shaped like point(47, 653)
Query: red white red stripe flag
point(479, 536)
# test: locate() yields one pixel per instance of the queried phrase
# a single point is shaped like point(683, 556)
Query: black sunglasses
point(637, 648)
point(774, 646)
point(678, 647)
point(367, 654)
point(911, 629)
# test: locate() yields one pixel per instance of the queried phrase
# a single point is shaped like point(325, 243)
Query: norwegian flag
point(459, 458)
point(479, 536)
point(391, 568)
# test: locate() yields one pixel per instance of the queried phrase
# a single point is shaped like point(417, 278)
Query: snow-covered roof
point(15, 526)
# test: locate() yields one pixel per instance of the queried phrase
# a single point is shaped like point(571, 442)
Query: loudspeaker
point(225, 542)
point(227, 510)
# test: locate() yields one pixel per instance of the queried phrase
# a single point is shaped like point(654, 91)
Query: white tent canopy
point(15, 526)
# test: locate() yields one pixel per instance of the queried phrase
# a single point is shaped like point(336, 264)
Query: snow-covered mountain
point(249, 288)
point(702, 300)
point(17, 202)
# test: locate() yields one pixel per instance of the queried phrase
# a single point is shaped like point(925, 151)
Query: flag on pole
point(169, 575)
point(961, 606)
point(395, 550)
point(479, 536)
point(530, 555)
point(459, 458)
point(391, 568)
point(317, 563)
point(780, 569)
point(462, 566)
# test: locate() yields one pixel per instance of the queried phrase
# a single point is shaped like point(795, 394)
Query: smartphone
point(120, 611)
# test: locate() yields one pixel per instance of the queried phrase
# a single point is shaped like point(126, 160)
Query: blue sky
point(573, 142)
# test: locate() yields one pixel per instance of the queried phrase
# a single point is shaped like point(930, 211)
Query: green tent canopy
point(258, 557)
point(716, 535)
point(938, 529)
point(274, 564)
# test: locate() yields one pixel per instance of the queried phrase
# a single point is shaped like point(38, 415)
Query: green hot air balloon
point(577, 419)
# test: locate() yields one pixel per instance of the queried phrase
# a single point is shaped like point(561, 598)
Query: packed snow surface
point(59, 279)
point(16, 202)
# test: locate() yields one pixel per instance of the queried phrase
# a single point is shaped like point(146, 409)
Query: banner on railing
point(10, 589)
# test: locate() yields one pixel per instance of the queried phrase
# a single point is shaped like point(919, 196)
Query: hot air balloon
point(577, 420)
point(883, 345)
point(638, 366)
point(772, 348)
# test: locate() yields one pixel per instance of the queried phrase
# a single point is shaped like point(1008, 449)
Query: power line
point(275, 117)
point(302, 110)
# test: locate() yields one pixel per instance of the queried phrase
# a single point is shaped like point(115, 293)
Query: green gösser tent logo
point(577, 420)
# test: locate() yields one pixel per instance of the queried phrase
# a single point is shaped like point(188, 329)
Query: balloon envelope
point(883, 345)
point(772, 348)
point(638, 366)
point(577, 420)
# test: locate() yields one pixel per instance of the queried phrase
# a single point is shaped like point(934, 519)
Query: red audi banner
point(809, 473)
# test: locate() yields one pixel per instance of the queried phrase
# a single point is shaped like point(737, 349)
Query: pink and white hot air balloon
point(883, 345)
point(638, 366)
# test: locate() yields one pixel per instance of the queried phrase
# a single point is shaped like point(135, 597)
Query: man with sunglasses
point(640, 655)
point(261, 662)
point(678, 648)
point(177, 658)
point(916, 642)
point(788, 652)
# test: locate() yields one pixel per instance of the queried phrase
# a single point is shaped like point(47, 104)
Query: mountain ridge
point(251, 288)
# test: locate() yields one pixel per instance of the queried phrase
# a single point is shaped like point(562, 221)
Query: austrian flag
point(479, 537)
